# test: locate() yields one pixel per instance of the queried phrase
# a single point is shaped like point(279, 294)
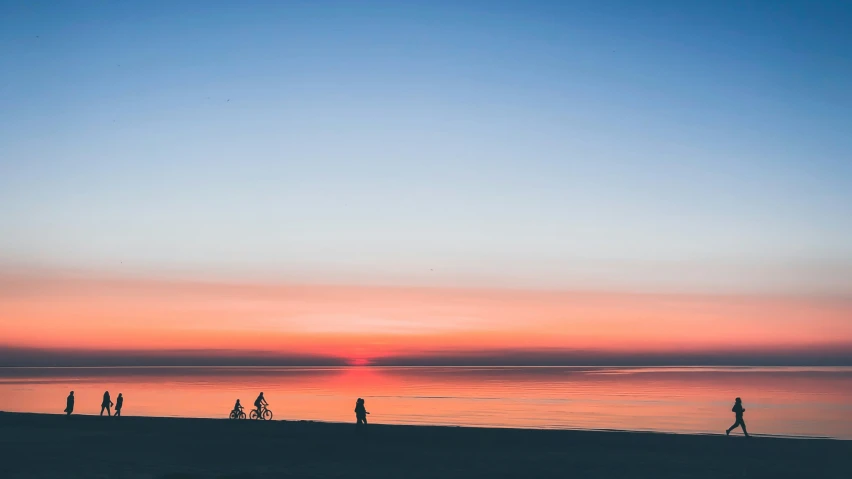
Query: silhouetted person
point(360, 415)
point(738, 410)
point(69, 404)
point(238, 408)
point(106, 404)
point(119, 402)
point(259, 403)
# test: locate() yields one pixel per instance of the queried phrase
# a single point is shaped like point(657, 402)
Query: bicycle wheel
point(233, 415)
point(242, 415)
point(253, 414)
point(267, 415)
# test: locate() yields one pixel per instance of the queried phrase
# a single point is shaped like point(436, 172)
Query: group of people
point(106, 404)
point(259, 404)
point(360, 410)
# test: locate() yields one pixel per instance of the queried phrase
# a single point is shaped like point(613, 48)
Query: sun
point(358, 362)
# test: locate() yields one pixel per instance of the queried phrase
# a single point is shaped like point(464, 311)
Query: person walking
point(69, 404)
point(106, 404)
point(119, 402)
point(360, 415)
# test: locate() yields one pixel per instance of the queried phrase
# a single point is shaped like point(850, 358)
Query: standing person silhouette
point(119, 402)
point(69, 404)
point(106, 404)
point(259, 403)
point(360, 415)
point(738, 409)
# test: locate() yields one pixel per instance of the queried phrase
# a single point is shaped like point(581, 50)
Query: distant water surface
point(788, 401)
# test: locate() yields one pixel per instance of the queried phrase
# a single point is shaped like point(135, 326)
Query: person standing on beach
point(69, 404)
point(360, 414)
point(106, 404)
point(738, 410)
point(119, 402)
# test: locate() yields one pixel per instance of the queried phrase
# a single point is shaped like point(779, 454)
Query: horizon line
point(364, 366)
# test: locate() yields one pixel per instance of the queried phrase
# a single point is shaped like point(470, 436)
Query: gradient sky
point(552, 160)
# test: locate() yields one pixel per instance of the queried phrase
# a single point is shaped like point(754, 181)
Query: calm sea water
point(779, 401)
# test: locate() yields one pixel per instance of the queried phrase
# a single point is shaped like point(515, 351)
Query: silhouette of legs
point(742, 425)
point(117, 413)
point(739, 423)
point(361, 425)
point(107, 410)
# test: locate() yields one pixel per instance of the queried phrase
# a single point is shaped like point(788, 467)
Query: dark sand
point(34, 445)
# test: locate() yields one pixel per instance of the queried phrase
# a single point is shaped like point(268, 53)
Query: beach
point(47, 446)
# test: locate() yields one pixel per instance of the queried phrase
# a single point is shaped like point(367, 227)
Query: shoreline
point(53, 445)
point(737, 433)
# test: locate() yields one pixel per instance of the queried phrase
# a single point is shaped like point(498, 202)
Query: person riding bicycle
point(238, 408)
point(259, 403)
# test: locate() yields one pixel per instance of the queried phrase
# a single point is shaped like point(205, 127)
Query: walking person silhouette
point(119, 402)
point(738, 409)
point(69, 404)
point(106, 404)
point(360, 415)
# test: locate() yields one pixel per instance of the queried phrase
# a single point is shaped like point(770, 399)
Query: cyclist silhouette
point(259, 403)
point(237, 412)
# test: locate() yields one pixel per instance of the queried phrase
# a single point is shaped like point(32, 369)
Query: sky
point(420, 182)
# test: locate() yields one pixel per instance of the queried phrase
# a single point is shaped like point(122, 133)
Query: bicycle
point(237, 414)
point(265, 414)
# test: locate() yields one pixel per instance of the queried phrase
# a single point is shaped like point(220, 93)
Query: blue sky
point(701, 146)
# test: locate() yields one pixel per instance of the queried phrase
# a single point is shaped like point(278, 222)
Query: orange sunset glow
point(361, 325)
point(400, 239)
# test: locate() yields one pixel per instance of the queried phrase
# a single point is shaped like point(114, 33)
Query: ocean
point(781, 401)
